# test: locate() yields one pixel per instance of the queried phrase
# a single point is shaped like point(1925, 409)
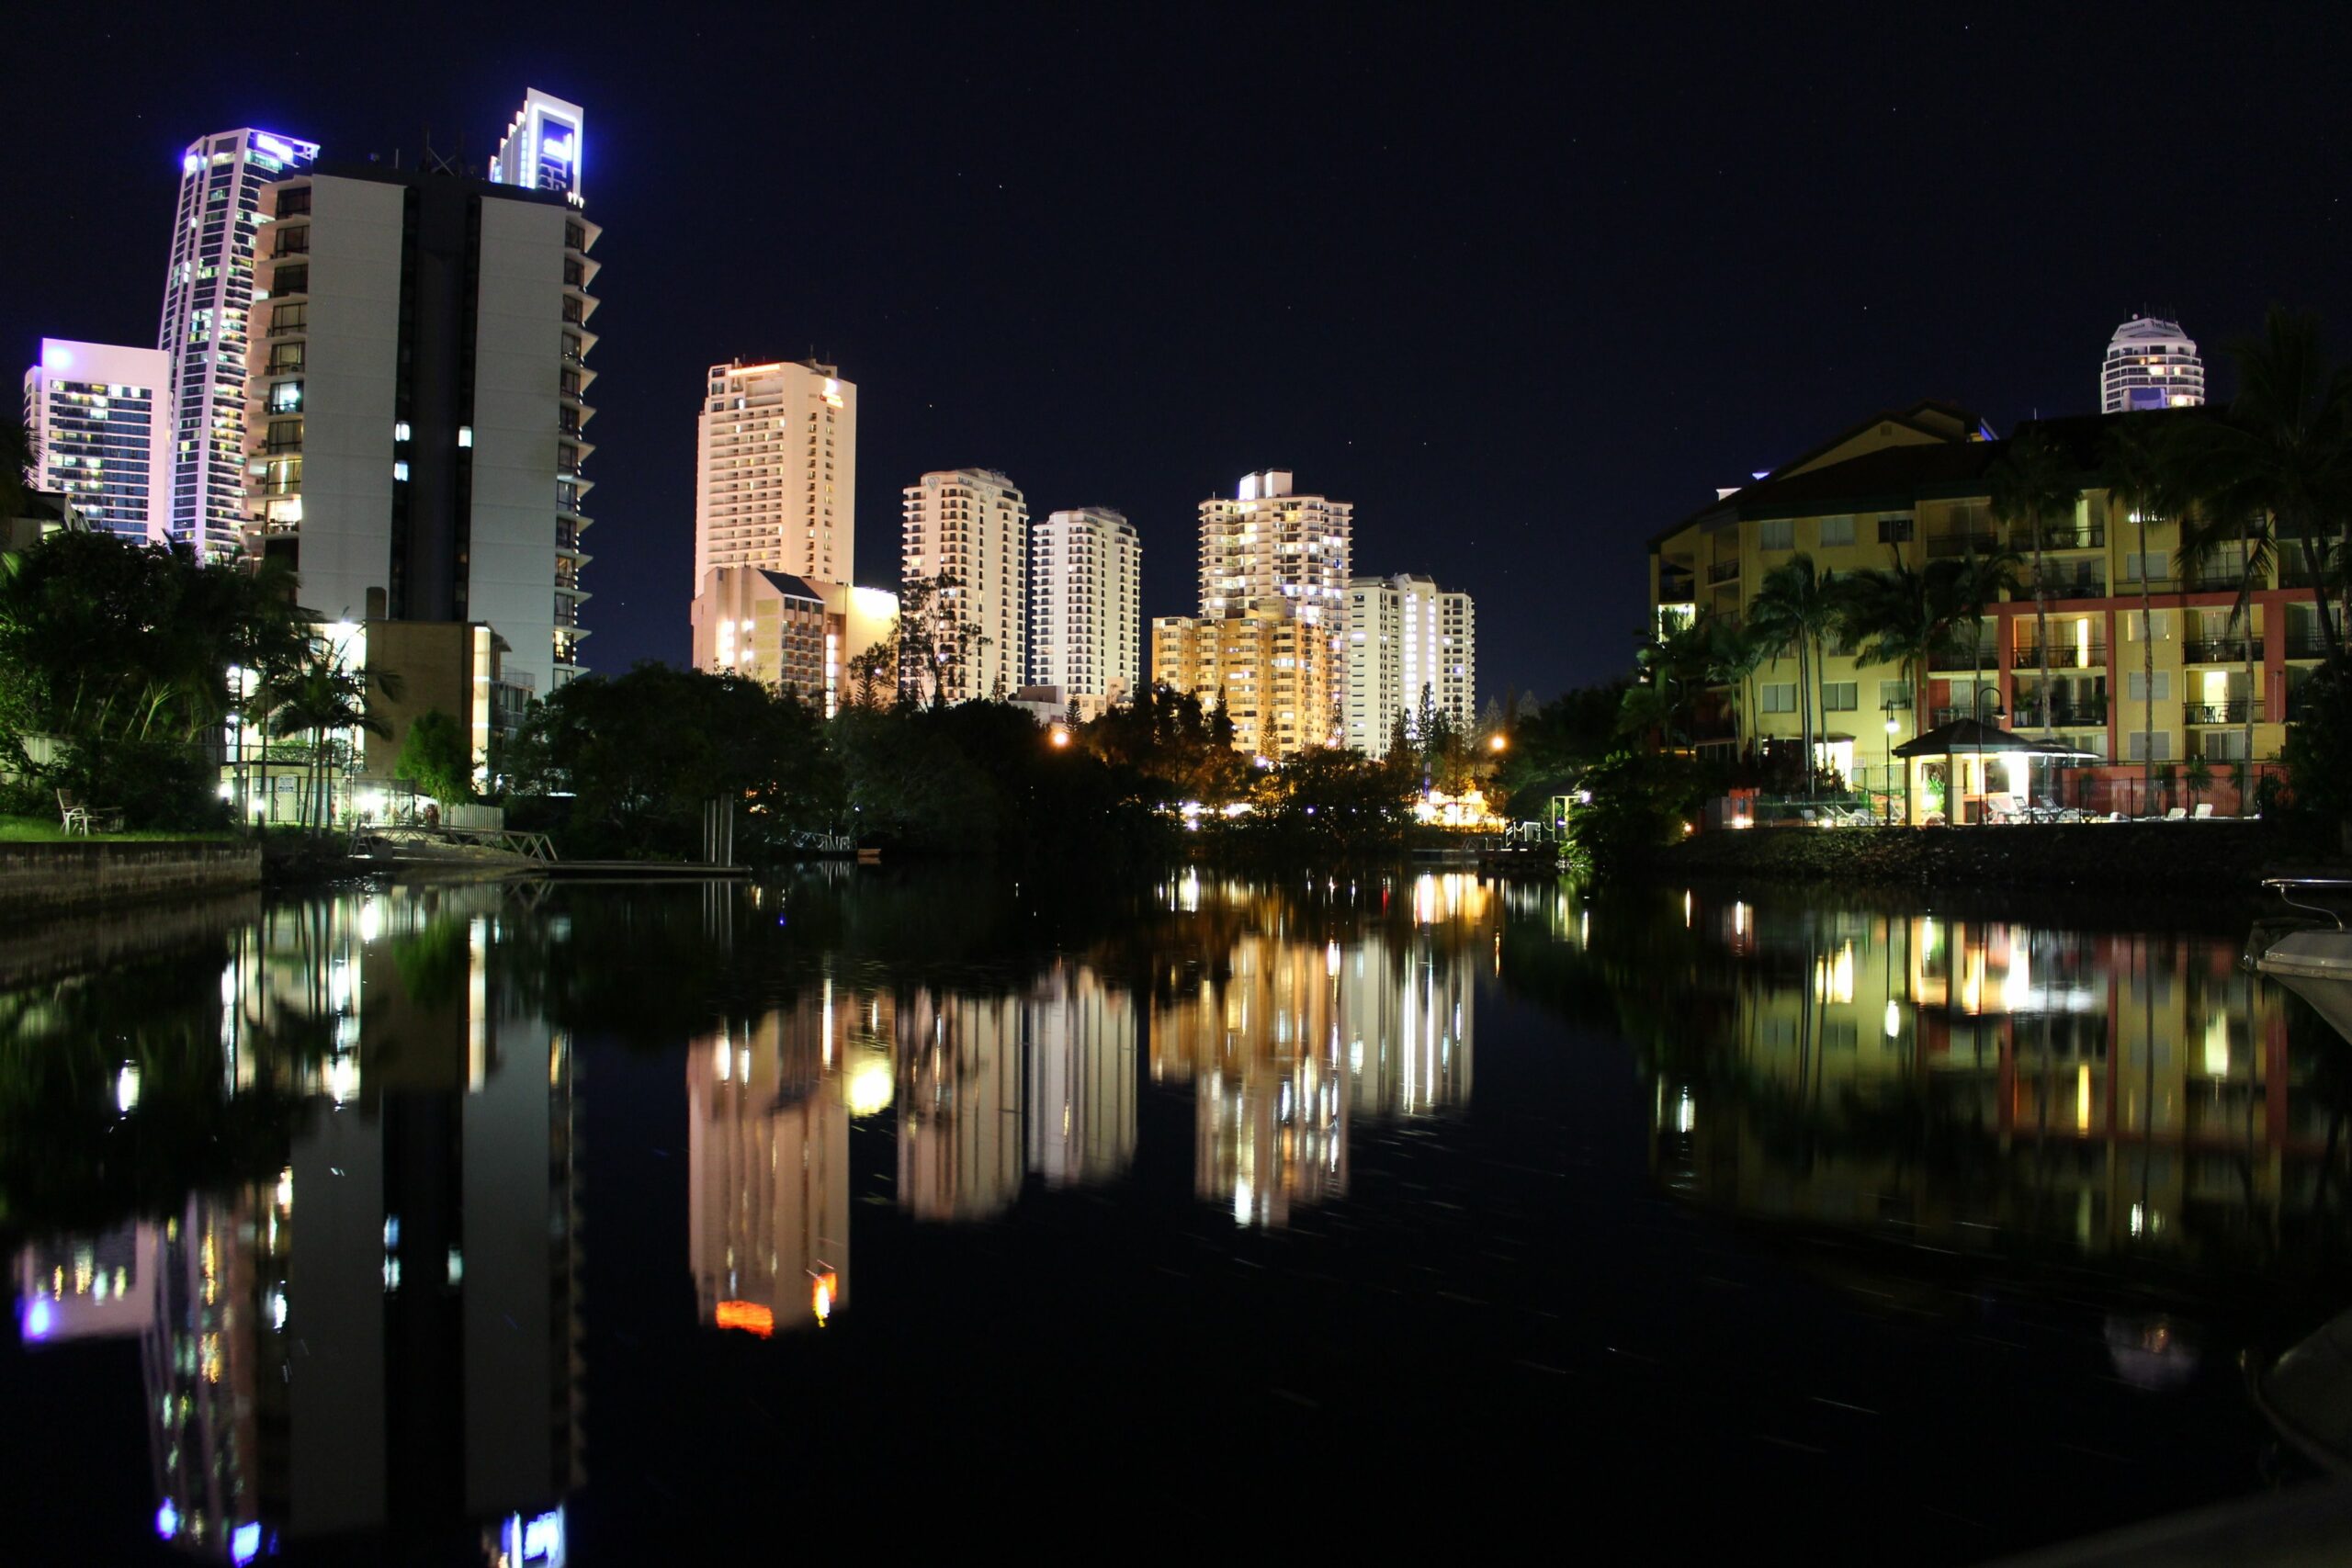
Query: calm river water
point(612, 1226)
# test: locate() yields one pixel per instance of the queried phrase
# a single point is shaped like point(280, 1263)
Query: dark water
point(892, 1213)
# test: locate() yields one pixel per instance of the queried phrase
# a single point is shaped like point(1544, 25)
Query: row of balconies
point(2093, 655)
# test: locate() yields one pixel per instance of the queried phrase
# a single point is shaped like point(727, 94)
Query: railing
point(2306, 645)
point(2216, 579)
point(2062, 715)
point(2240, 712)
point(1961, 542)
point(2071, 536)
point(2091, 655)
point(1987, 713)
point(1723, 571)
point(2130, 587)
point(2066, 584)
point(2221, 650)
point(1676, 588)
point(1986, 657)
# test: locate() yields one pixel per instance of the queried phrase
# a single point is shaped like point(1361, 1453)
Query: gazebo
point(1984, 764)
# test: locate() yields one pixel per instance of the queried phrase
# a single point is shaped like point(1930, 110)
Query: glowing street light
point(1497, 742)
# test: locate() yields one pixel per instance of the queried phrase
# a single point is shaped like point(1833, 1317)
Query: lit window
point(465, 435)
point(400, 471)
point(400, 431)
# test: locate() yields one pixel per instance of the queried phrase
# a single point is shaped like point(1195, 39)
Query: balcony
point(2221, 650)
point(2090, 655)
point(2306, 645)
point(2242, 711)
point(2074, 715)
point(1963, 542)
point(2216, 579)
point(1984, 656)
point(2066, 583)
point(2074, 536)
point(1676, 588)
point(1723, 571)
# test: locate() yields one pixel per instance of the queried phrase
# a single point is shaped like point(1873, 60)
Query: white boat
point(2314, 963)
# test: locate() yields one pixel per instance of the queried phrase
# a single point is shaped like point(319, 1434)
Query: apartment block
point(776, 470)
point(98, 431)
point(971, 527)
point(1405, 636)
point(1085, 607)
point(795, 634)
point(1267, 664)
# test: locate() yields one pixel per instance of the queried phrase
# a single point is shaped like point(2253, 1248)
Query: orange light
point(1061, 737)
point(821, 1292)
point(1497, 743)
point(749, 1316)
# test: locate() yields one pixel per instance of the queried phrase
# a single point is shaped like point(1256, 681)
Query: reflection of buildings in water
point(1081, 1077)
point(410, 1367)
point(768, 1108)
point(960, 1145)
point(1299, 1037)
point(2128, 1088)
point(992, 1087)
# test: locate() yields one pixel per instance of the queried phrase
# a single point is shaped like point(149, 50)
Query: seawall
point(39, 881)
point(2220, 858)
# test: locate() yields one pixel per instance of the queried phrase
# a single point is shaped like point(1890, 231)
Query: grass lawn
point(49, 831)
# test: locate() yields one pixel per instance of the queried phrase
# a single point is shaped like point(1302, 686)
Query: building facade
point(208, 298)
point(1085, 607)
point(1270, 542)
point(1405, 636)
point(98, 431)
point(795, 634)
point(1268, 666)
point(968, 531)
point(416, 426)
point(2160, 683)
point(2149, 364)
point(776, 470)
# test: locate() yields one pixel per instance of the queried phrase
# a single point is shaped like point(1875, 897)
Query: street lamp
point(1497, 742)
point(1890, 766)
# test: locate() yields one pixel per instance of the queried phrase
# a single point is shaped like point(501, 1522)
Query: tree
point(2284, 450)
point(2034, 484)
point(435, 757)
point(1797, 608)
point(324, 699)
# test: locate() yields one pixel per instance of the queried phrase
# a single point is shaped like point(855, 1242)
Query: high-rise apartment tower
point(775, 472)
point(2149, 364)
point(1405, 636)
point(208, 295)
point(1085, 607)
point(416, 426)
point(98, 430)
point(970, 526)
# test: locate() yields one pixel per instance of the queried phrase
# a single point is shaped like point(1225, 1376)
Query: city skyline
point(1125, 370)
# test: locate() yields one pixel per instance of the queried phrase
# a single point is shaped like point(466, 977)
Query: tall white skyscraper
point(1086, 607)
point(543, 146)
point(2149, 364)
point(775, 472)
point(972, 525)
point(1405, 636)
point(207, 295)
point(1267, 542)
point(97, 428)
point(417, 427)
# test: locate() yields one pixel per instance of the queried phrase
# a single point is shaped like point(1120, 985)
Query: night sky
point(1521, 285)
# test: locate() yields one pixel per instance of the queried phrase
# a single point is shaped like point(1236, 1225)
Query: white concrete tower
point(1267, 542)
point(1086, 607)
point(1404, 635)
point(972, 526)
point(98, 430)
point(2149, 364)
point(208, 294)
point(775, 472)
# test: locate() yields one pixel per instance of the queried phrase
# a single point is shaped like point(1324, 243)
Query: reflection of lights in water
point(1331, 958)
point(285, 1187)
point(1833, 978)
point(2083, 1099)
point(2217, 1045)
point(2139, 1220)
point(1739, 919)
point(1686, 909)
point(2016, 988)
point(1893, 1019)
point(871, 1084)
point(1242, 1202)
point(371, 921)
point(1686, 1114)
point(167, 1520)
point(342, 1077)
point(2150, 1352)
point(723, 1057)
point(1971, 985)
point(126, 1088)
point(820, 1296)
point(750, 1317)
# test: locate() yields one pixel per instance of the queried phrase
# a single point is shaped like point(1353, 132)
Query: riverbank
point(40, 881)
point(2136, 858)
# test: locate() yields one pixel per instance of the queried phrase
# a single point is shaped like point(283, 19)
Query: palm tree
point(318, 698)
point(1734, 652)
point(1795, 605)
point(1903, 617)
point(2286, 451)
point(2140, 472)
point(2033, 484)
point(2210, 520)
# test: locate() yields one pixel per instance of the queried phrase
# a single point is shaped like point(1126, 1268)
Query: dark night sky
point(1521, 285)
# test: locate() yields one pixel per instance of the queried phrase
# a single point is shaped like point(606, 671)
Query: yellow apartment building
point(1912, 484)
point(1271, 669)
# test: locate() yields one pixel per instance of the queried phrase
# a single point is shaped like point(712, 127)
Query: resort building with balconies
point(2153, 664)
